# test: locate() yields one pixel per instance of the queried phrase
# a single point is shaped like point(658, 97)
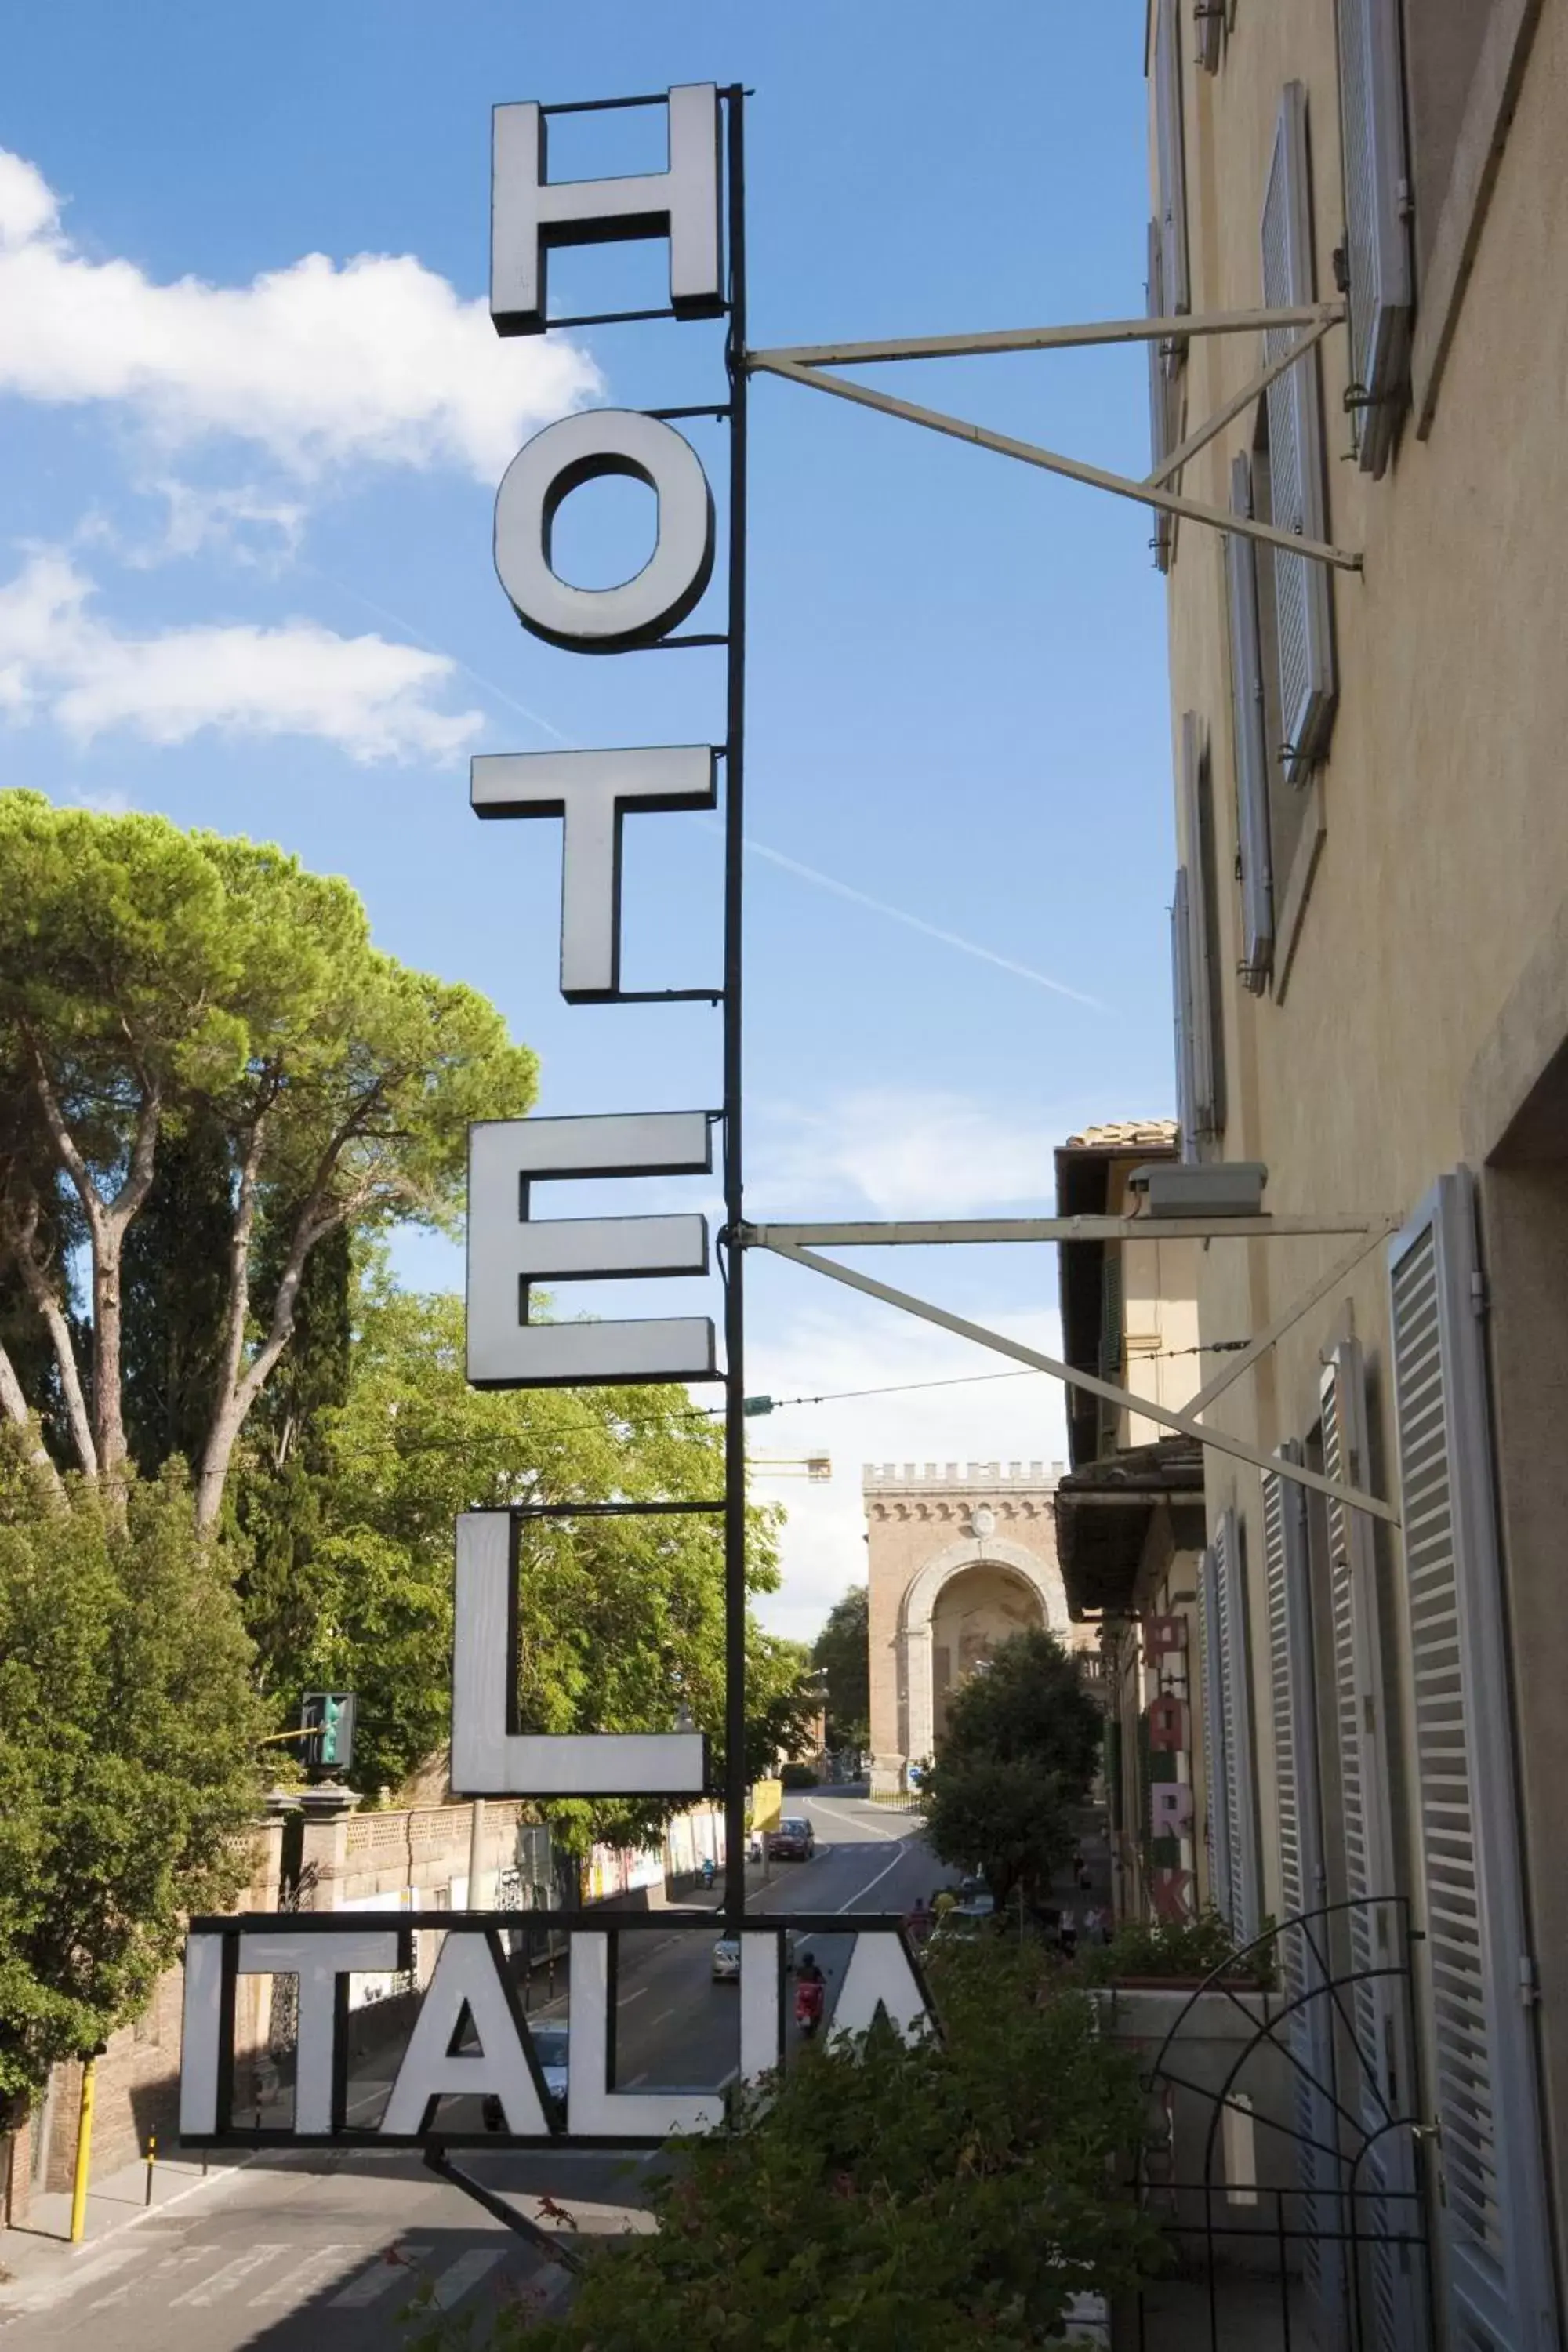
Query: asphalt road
point(294, 2251)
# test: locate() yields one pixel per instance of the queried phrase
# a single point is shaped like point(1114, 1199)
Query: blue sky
point(254, 416)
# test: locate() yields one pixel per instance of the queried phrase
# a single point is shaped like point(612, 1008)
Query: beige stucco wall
point(1429, 980)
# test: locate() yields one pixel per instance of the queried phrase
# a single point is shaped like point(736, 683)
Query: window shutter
point(1161, 442)
point(1171, 165)
point(1307, 685)
point(1236, 1707)
point(1216, 1823)
point(1384, 2079)
point(1492, 2216)
point(1208, 23)
point(1181, 1002)
point(1251, 742)
point(1377, 214)
point(1292, 1679)
point(1208, 1093)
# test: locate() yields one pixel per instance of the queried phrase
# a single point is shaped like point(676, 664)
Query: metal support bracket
point(436, 2161)
point(807, 363)
point(1353, 1497)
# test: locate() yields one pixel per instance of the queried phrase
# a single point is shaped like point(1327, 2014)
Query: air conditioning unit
point(1223, 1188)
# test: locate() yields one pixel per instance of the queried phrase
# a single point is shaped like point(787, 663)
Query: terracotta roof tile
point(1140, 1134)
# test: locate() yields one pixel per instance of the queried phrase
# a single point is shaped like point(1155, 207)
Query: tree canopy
point(842, 1651)
point(128, 1723)
point(621, 1620)
point(1020, 1751)
point(170, 994)
point(893, 2198)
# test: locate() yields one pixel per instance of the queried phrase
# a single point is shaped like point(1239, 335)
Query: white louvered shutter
point(1381, 2087)
point(1305, 1968)
point(1160, 396)
point(1216, 1820)
point(1251, 741)
point(1182, 1003)
point(1493, 2217)
point(1307, 683)
point(1236, 1708)
point(1207, 1066)
point(1170, 158)
point(1377, 217)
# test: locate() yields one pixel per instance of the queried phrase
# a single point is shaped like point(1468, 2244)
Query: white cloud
point(906, 1151)
point(377, 359)
point(843, 1345)
point(370, 697)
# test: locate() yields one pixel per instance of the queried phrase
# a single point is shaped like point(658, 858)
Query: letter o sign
point(545, 472)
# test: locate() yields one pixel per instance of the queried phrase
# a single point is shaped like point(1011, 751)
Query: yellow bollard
point(151, 2160)
point(83, 2151)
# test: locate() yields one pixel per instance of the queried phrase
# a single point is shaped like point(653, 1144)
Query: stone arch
point(918, 1611)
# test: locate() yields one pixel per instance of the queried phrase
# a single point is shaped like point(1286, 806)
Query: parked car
point(727, 1956)
point(794, 1840)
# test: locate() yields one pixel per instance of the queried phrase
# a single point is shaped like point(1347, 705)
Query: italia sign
point(470, 2037)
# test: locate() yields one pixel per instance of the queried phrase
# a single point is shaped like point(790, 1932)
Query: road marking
point(626, 1998)
point(374, 2282)
point(865, 1890)
point(636, 2079)
point(467, 2271)
point(296, 2285)
point(875, 1828)
point(217, 2284)
point(660, 2017)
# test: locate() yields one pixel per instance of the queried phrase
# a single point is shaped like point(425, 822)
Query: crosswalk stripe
point(375, 2281)
point(468, 2271)
point(218, 2283)
point(297, 2283)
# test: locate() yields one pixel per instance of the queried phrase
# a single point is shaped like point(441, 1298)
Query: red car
point(793, 1841)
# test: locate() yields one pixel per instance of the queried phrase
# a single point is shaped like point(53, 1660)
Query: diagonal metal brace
point(1051, 461)
point(1354, 1498)
point(436, 2161)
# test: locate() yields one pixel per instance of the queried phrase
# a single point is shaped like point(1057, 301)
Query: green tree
point(621, 1620)
point(128, 1724)
point(1020, 1752)
point(843, 1651)
point(155, 984)
point(891, 2199)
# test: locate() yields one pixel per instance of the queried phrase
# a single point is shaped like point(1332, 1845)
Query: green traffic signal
point(329, 1716)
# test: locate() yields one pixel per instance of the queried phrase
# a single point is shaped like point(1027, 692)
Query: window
point(1171, 169)
point(1465, 60)
point(1232, 1821)
point(1377, 210)
point(1492, 2211)
point(1208, 26)
point(1298, 1844)
point(1249, 729)
point(1304, 621)
point(1200, 1088)
point(1366, 1873)
point(1162, 398)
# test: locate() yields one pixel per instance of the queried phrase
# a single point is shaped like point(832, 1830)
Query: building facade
point(1130, 1516)
point(958, 1558)
point(1370, 944)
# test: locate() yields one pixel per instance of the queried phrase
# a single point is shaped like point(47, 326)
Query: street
point(289, 2250)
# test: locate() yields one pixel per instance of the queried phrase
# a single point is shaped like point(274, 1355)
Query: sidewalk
point(117, 2201)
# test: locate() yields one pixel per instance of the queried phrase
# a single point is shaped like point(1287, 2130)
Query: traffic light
point(329, 1717)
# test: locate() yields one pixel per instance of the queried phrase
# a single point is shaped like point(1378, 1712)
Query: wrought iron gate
point(1285, 2160)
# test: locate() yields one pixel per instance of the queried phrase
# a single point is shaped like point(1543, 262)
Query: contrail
point(758, 849)
point(919, 923)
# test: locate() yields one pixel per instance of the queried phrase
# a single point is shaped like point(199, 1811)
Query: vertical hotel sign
point(470, 2038)
point(513, 1241)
